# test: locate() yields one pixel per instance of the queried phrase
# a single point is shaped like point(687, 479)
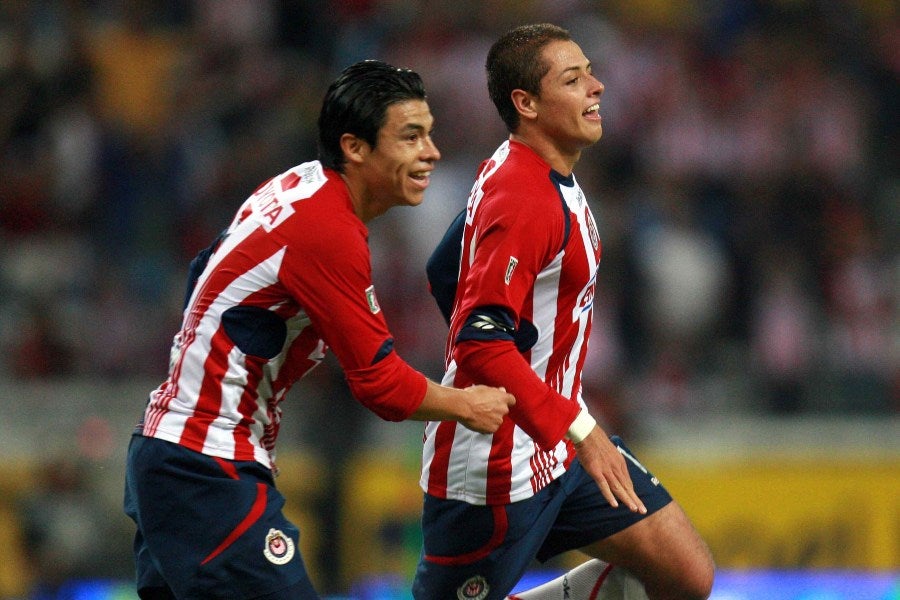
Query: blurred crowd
point(746, 187)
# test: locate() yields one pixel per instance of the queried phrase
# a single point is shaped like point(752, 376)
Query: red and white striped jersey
point(530, 249)
point(290, 277)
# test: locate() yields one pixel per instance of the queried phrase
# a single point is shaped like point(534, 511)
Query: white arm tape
point(583, 424)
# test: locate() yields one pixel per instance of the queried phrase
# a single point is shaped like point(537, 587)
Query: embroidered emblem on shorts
point(279, 548)
point(475, 588)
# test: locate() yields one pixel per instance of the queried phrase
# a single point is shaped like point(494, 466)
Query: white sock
point(592, 580)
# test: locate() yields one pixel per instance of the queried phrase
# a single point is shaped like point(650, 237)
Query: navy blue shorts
point(481, 552)
point(209, 528)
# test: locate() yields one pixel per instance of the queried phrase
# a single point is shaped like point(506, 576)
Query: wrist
point(581, 427)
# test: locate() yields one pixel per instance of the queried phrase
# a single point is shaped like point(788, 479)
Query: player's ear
point(355, 148)
point(525, 104)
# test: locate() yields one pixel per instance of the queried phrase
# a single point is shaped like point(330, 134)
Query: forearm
point(442, 403)
point(478, 407)
point(540, 411)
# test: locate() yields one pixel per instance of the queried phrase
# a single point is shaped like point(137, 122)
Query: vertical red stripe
point(189, 333)
point(579, 368)
point(499, 476)
point(249, 402)
point(243, 449)
point(440, 462)
point(209, 401)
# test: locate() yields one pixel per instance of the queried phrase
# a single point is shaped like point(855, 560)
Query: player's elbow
point(390, 388)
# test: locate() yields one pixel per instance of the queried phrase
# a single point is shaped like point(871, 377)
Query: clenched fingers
point(489, 405)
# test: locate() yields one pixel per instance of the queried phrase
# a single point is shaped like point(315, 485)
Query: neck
point(364, 206)
point(560, 160)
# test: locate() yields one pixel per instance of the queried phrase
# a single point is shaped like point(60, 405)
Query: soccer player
point(290, 277)
point(516, 276)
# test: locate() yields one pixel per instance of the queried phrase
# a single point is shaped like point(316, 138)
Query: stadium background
point(746, 338)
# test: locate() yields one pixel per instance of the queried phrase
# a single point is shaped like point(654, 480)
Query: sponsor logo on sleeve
point(372, 300)
point(510, 267)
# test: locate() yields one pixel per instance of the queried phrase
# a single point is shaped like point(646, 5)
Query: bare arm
point(479, 407)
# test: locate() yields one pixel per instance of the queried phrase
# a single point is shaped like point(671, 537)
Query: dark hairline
point(505, 74)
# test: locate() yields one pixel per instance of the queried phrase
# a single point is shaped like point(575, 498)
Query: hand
point(603, 461)
point(488, 406)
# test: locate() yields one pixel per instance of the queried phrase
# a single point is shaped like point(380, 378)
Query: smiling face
point(396, 171)
point(567, 109)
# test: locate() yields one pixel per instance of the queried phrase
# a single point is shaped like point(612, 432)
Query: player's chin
point(414, 198)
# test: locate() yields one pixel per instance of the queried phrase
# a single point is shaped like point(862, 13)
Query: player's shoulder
point(306, 208)
point(517, 180)
point(520, 169)
point(317, 194)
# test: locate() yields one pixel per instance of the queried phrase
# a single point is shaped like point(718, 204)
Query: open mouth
point(421, 178)
point(592, 111)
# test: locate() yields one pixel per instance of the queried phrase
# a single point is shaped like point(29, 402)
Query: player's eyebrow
point(576, 69)
point(415, 128)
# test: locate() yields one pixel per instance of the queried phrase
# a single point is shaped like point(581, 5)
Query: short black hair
point(514, 63)
point(357, 102)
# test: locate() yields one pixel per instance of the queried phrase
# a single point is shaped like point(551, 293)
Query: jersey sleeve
point(442, 268)
point(514, 241)
point(327, 268)
point(540, 411)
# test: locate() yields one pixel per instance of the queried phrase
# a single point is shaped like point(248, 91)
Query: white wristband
point(583, 424)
